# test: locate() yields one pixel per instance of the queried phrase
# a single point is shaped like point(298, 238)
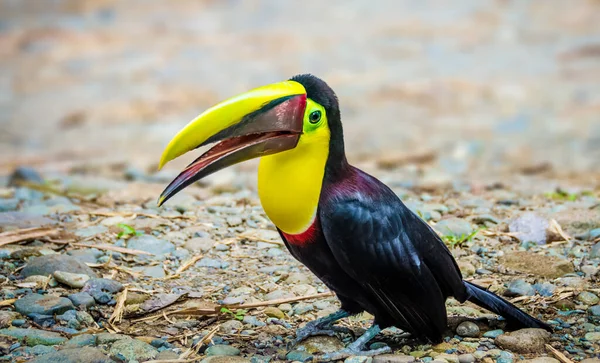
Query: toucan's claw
point(322, 326)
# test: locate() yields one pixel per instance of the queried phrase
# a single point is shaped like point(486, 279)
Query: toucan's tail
point(515, 317)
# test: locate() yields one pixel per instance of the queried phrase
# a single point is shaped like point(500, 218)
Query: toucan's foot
point(322, 326)
point(356, 348)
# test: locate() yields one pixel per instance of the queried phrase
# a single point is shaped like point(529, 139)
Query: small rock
point(537, 264)
point(274, 312)
point(358, 359)
point(320, 344)
point(102, 289)
point(595, 251)
point(89, 232)
point(167, 355)
point(231, 326)
point(41, 349)
point(303, 308)
point(529, 227)
point(7, 317)
point(451, 358)
point(84, 318)
point(393, 358)
point(212, 262)
point(493, 333)
point(545, 288)
point(24, 175)
point(466, 268)
point(151, 244)
point(593, 336)
point(467, 329)
point(74, 355)
point(108, 338)
point(466, 358)
point(252, 320)
point(541, 360)
point(455, 227)
point(221, 349)
point(588, 298)
point(234, 221)
point(33, 337)
point(156, 272)
point(224, 359)
point(298, 278)
point(299, 356)
point(519, 288)
point(82, 299)
point(47, 265)
point(198, 244)
point(594, 310)
point(278, 294)
point(71, 279)
point(42, 304)
point(82, 340)
point(524, 341)
point(133, 350)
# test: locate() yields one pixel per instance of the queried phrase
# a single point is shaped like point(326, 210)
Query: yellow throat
point(289, 183)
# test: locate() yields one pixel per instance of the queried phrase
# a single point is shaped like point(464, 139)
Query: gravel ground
point(90, 267)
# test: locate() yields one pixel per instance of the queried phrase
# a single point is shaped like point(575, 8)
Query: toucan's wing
point(393, 254)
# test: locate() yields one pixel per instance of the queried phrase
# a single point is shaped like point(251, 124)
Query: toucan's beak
point(264, 121)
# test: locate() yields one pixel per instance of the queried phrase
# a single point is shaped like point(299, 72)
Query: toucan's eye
point(314, 117)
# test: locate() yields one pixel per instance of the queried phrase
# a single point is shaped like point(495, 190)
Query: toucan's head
point(266, 120)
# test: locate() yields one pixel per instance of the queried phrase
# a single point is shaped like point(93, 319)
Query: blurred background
point(445, 89)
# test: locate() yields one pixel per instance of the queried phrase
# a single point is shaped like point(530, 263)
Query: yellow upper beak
point(224, 115)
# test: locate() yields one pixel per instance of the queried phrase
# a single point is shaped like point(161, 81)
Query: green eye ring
point(314, 117)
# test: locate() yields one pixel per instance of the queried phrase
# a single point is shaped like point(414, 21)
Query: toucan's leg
point(356, 347)
point(322, 326)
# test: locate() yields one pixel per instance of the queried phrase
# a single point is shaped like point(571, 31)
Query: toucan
point(350, 229)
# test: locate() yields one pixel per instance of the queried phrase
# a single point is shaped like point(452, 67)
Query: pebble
point(541, 360)
point(158, 247)
point(212, 262)
point(594, 310)
point(299, 356)
point(493, 333)
point(198, 244)
point(41, 319)
point(231, 326)
point(529, 227)
point(252, 320)
point(593, 336)
point(133, 350)
point(455, 227)
point(234, 221)
point(595, 251)
point(222, 349)
point(303, 308)
point(393, 358)
point(71, 279)
point(274, 312)
point(451, 358)
point(47, 265)
point(40, 349)
point(84, 318)
point(278, 294)
point(588, 298)
point(74, 355)
point(80, 299)
point(524, 341)
point(519, 288)
point(224, 359)
point(102, 289)
point(6, 317)
point(358, 359)
point(466, 358)
point(545, 288)
point(82, 340)
point(156, 272)
point(33, 337)
point(320, 344)
point(468, 329)
point(89, 232)
point(42, 304)
point(24, 174)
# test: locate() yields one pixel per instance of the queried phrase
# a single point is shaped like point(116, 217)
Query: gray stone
point(7, 205)
point(221, 349)
point(82, 299)
point(320, 344)
point(108, 338)
point(299, 356)
point(595, 251)
point(82, 340)
point(529, 227)
point(493, 333)
point(133, 349)
point(541, 360)
point(42, 304)
point(303, 308)
point(545, 288)
point(252, 320)
point(231, 326)
point(74, 355)
point(47, 265)
point(151, 244)
point(23, 220)
point(33, 337)
point(156, 272)
point(198, 244)
point(594, 310)
point(24, 175)
point(593, 336)
point(467, 329)
point(224, 359)
point(40, 349)
point(393, 358)
point(455, 227)
point(7, 317)
point(588, 298)
point(91, 231)
point(71, 279)
point(87, 255)
point(84, 318)
point(466, 358)
point(519, 288)
point(278, 294)
point(102, 289)
point(524, 341)
point(358, 359)
point(212, 262)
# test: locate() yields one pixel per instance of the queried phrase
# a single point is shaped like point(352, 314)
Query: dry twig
point(561, 357)
point(195, 349)
point(26, 234)
point(117, 315)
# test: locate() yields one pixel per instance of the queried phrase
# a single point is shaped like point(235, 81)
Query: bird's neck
point(289, 185)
